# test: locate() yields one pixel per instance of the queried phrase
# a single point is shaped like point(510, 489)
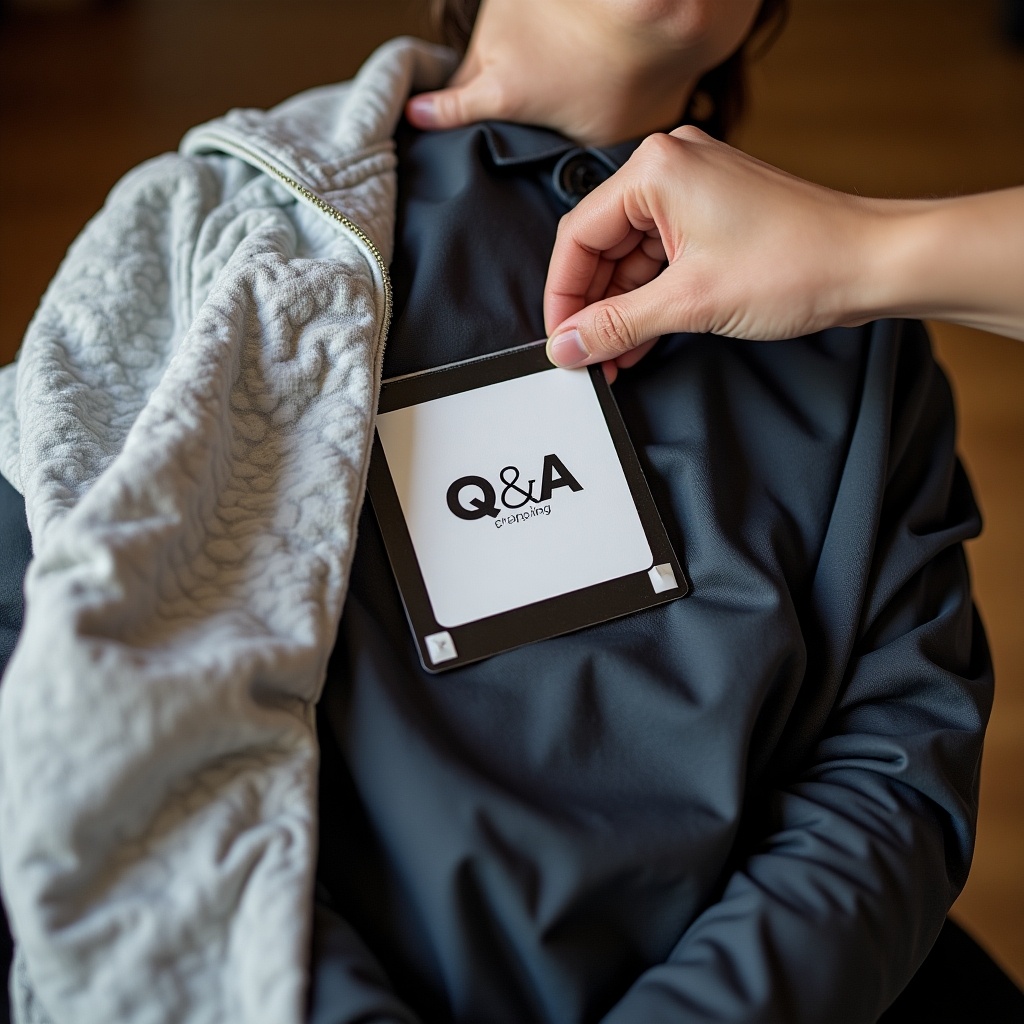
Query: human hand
point(511, 72)
point(516, 69)
point(693, 235)
point(476, 92)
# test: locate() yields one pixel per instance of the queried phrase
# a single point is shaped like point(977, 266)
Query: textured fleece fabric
point(188, 421)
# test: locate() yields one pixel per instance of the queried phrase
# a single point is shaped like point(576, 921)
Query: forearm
point(692, 235)
point(960, 260)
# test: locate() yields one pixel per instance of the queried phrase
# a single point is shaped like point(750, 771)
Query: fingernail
point(424, 109)
point(567, 349)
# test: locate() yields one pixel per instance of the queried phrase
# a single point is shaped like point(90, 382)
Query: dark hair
point(720, 97)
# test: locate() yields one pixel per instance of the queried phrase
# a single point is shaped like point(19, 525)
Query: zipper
point(229, 145)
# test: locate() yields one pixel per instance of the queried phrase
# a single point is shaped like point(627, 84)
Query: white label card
point(513, 506)
point(512, 493)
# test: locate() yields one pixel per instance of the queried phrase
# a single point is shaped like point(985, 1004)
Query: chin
point(714, 27)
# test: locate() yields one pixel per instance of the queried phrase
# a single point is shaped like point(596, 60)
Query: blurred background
point(908, 98)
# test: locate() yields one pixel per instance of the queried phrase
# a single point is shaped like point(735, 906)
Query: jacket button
point(578, 173)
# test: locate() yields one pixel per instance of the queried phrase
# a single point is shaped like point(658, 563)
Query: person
point(753, 804)
point(749, 251)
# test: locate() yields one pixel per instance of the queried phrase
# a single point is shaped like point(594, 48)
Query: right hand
point(693, 235)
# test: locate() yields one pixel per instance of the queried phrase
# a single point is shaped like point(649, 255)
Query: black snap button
point(578, 173)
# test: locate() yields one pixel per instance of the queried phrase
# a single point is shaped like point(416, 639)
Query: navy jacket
point(754, 804)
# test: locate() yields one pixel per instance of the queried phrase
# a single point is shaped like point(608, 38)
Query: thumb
point(453, 107)
point(612, 327)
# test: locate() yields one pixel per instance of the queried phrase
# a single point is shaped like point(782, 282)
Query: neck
point(569, 67)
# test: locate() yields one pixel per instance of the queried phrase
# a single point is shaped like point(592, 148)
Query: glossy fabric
point(754, 804)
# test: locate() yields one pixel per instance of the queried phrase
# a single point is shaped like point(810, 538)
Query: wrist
point(940, 259)
point(892, 244)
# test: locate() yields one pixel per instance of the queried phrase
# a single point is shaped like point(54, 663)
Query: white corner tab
point(441, 646)
point(662, 578)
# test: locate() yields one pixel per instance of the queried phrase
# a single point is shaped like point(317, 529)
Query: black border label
point(443, 649)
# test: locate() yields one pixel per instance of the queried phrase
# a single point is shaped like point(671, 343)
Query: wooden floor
point(916, 97)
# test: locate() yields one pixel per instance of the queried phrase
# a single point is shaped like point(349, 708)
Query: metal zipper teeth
point(349, 225)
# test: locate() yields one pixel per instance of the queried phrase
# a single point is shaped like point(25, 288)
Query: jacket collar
point(513, 145)
point(333, 139)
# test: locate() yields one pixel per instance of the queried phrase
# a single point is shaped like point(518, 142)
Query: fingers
point(478, 98)
point(692, 134)
point(448, 108)
point(613, 327)
point(593, 243)
point(614, 223)
point(611, 367)
point(634, 270)
point(634, 357)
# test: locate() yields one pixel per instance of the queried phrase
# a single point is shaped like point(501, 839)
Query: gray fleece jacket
point(189, 421)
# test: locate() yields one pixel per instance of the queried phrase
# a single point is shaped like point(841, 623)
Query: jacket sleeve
point(194, 401)
point(852, 858)
point(104, 333)
point(348, 985)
